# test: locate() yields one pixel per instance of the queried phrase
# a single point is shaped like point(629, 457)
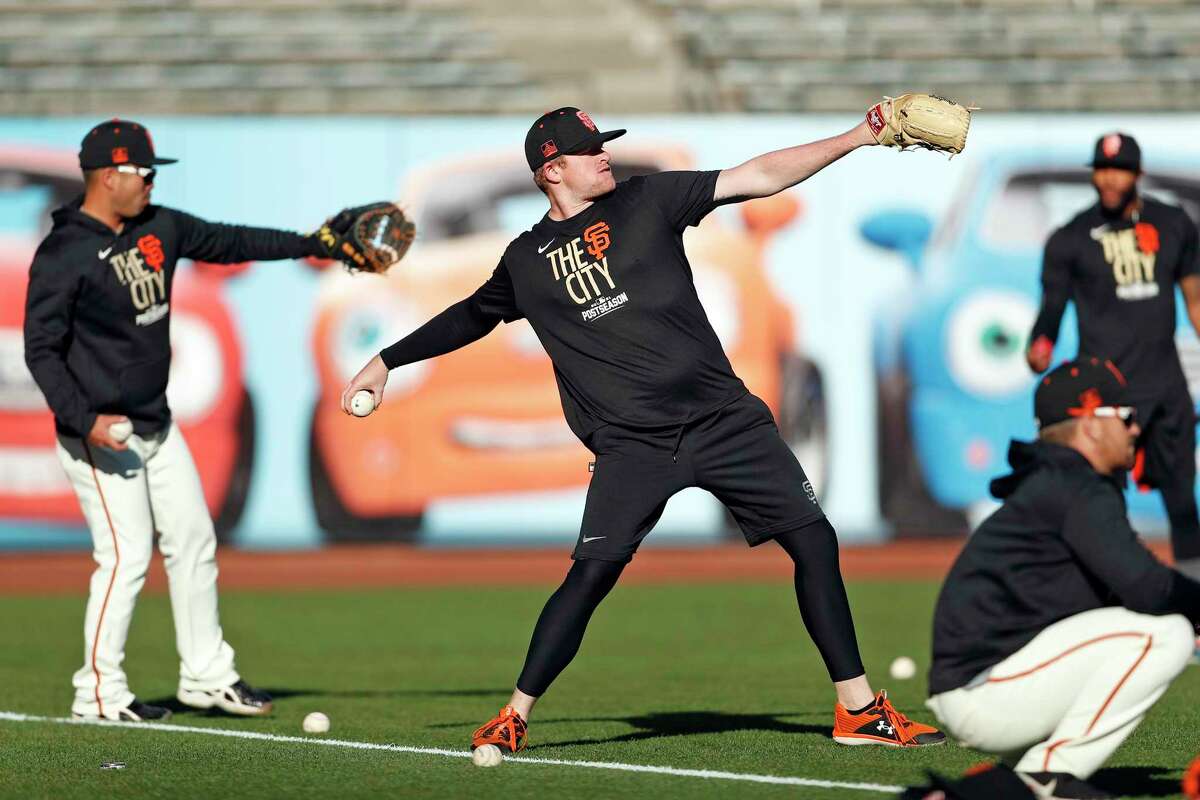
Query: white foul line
point(11, 716)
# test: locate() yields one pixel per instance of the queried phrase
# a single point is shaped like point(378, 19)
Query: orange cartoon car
point(206, 392)
point(487, 419)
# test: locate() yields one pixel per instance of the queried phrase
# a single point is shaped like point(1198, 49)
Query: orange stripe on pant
point(1124, 634)
point(112, 578)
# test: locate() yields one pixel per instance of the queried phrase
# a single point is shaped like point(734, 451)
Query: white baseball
point(120, 431)
point(903, 668)
point(363, 403)
point(487, 756)
point(316, 722)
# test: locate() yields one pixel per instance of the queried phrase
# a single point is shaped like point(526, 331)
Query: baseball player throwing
point(604, 281)
point(97, 342)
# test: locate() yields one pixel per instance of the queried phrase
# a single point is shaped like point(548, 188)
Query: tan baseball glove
point(368, 238)
point(920, 120)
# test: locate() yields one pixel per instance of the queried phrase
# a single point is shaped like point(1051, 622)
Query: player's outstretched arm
point(219, 243)
point(773, 172)
point(910, 120)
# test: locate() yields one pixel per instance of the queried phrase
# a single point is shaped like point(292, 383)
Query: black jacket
point(97, 308)
point(1060, 545)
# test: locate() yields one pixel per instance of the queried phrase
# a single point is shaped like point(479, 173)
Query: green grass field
point(713, 677)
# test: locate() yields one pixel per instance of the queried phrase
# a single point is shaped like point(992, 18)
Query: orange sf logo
point(1090, 400)
point(596, 235)
point(152, 251)
point(1147, 237)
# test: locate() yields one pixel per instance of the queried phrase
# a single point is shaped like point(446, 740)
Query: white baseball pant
point(126, 496)
point(1065, 701)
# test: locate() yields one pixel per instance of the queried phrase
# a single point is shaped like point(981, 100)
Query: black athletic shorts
point(735, 452)
point(1167, 446)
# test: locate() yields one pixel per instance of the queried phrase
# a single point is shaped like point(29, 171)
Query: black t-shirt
point(610, 294)
point(1122, 277)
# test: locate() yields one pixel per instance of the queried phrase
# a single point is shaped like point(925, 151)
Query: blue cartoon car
point(953, 385)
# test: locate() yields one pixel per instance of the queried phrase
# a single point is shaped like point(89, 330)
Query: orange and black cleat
point(506, 731)
point(880, 723)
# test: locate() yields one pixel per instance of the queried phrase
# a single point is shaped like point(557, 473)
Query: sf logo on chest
point(140, 268)
point(581, 266)
point(1132, 254)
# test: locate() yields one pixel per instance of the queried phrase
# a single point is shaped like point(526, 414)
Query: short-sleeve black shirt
point(1122, 277)
point(610, 294)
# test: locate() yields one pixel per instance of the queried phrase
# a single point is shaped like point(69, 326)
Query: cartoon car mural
point(487, 418)
point(953, 385)
point(206, 392)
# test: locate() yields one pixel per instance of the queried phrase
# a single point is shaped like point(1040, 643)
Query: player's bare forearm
point(773, 172)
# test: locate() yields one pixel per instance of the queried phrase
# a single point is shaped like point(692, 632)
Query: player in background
point(645, 384)
point(1120, 261)
point(97, 342)
point(1056, 630)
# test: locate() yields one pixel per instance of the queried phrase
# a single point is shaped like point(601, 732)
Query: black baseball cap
point(1074, 388)
point(562, 132)
point(1117, 151)
point(119, 141)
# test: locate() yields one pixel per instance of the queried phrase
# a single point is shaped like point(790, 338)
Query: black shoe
point(136, 711)
point(1062, 786)
point(238, 698)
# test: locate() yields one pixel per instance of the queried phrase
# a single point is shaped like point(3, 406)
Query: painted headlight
point(985, 343)
point(197, 367)
point(365, 329)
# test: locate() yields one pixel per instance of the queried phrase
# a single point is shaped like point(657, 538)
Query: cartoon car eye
point(365, 330)
point(719, 296)
point(985, 343)
point(197, 368)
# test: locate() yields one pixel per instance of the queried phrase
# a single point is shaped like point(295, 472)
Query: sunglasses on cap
point(145, 173)
point(1127, 414)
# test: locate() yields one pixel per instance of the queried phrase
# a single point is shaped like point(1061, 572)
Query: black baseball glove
point(367, 238)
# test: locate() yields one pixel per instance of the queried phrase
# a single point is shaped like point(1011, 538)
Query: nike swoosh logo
point(542, 249)
point(587, 539)
point(104, 253)
point(1098, 231)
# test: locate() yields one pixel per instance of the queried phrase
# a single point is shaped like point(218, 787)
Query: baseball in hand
point(363, 403)
point(120, 431)
point(487, 755)
point(316, 722)
point(903, 668)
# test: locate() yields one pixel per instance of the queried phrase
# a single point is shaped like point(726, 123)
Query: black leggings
point(819, 593)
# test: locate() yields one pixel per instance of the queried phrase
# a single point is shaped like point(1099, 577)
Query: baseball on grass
point(316, 722)
point(903, 668)
point(362, 403)
point(120, 431)
point(487, 755)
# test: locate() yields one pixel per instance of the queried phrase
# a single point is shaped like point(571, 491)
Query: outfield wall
point(911, 355)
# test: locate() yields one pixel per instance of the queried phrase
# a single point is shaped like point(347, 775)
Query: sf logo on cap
point(1111, 145)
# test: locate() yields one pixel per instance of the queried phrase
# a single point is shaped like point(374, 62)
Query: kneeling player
point(1056, 630)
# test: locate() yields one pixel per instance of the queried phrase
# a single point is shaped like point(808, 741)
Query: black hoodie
point(97, 308)
point(1060, 545)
